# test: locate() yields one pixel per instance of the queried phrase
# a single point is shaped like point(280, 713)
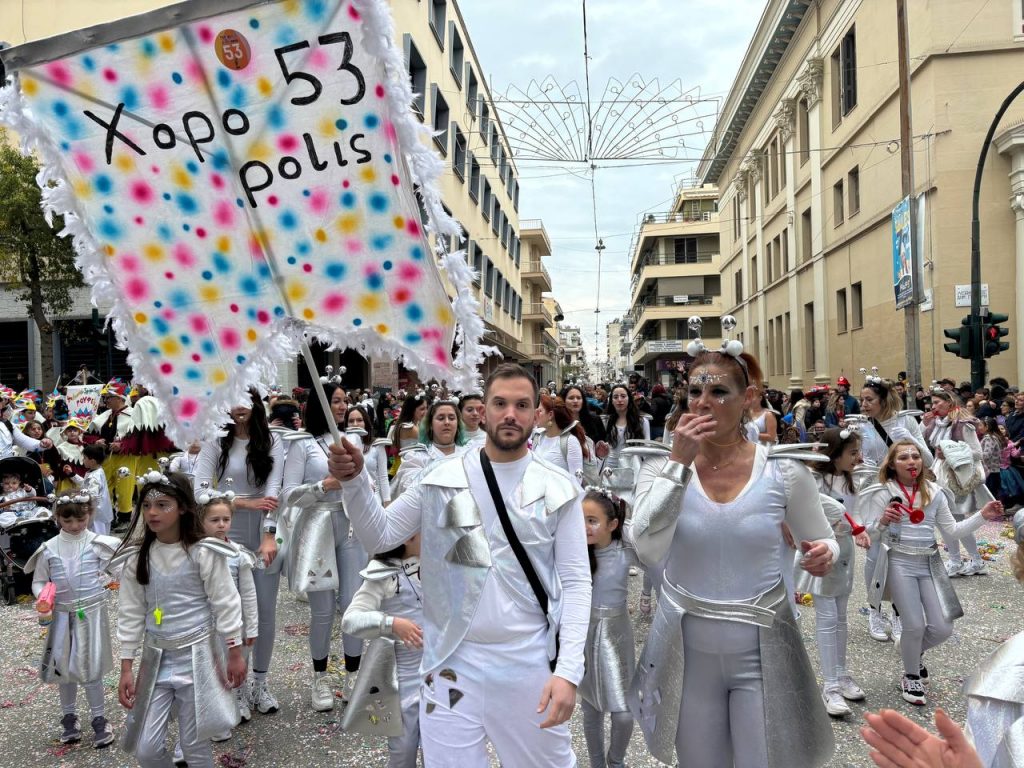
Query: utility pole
point(911, 315)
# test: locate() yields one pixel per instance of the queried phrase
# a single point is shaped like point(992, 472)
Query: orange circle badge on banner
point(233, 49)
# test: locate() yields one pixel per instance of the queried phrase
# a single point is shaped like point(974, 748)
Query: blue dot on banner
point(412, 338)
point(220, 160)
point(249, 285)
point(240, 359)
point(113, 47)
point(279, 311)
point(207, 274)
point(303, 248)
point(238, 97)
point(223, 78)
point(292, 260)
point(276, 116)
point(130, 97)
point(416, 252)
point(180, 299)
point(164, 233)
point(335, 270)
point(186, 203)
point(286, 34)
point(60, 108)
point(371, 121)
point(175, 390)
point(374, 281)
point(65, 146)
point(208, 347)
point(154, 351)
point(221, 263)
point(288, 219)
point(103, 184)
point(88, 63)
point(186, 227)
point(193, 374)
point(305, 193)
point(158, 304)
point(357, 321)
point(341, 124)
point(160, 325)
point(379, 202)
point(166, 195)
point(381, 242)
point(185, 340)
point(254, 23)
point(239, 203)
point(177, 78)
point(315, 9)
point(251, 313)
point(108, 208)
point(387, 265)
point(148, 48)
point(192, 166)
point(110, 229)
point(414, 313)
point(263, 270)
point(348, 199)
point(387, 157)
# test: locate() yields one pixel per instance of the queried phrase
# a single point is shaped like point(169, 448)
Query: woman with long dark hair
point(559, 439)
point(405, 430)
point(579, 410)
point(374, 449)
point(622, 422)
point(323, 559)
point(249, 460)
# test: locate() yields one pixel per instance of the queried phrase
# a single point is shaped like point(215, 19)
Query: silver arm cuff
point(387, 625)
point(367, 625)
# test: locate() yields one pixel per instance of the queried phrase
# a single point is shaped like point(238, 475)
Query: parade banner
point(83, 401)
point(237, 176)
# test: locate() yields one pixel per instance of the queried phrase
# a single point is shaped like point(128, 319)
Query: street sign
point(962, 295)
point(680, 299)
point(659, 347)
point(902, 263)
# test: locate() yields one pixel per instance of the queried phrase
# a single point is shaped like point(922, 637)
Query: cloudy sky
point(698, 42)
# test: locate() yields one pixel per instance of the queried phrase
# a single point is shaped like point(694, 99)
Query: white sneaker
point(243, 693)
point(321, 695)
point(835, 705)
point(263, 700)
point(896, 630)
point(974, 568)
point(913, 691)
point(850, 690)
point(878, 625)
point(954, 568)
point(349, 685)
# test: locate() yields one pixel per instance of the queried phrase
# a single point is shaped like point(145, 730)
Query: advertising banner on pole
point(902, 261)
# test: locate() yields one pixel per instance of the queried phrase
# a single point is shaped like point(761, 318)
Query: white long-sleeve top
point(898, 427)
point(209, 459)
point(936, 515)
point(376, 459)
point(246, 586)
point(219, 591)
point(95, 484)
point(550, 449)
point(15, 437)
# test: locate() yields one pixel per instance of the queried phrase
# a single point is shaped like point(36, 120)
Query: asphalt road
point(297, 736)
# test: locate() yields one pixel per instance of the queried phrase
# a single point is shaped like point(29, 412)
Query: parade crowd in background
point(457, 646)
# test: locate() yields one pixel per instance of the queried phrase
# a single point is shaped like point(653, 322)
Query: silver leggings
point(247, 530)
point(402, 750)
point(93, 694)
point(722, 719)
point(350, 558)
point(832, 632)
point(169, 701)
point(593, 730)
point(924, 626)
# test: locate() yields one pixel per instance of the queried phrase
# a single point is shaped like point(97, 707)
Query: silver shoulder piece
point(383, 441)
point(107, 545)
point(571, 427)
point(222, 548)
point(378, 570)
point(418, 447)
point(911, 413)
point(1001, 674)
point(123, 557)
point(291, 435)
point(798, 451)
point(32, 562)
point(645, 448)
point(247, 556)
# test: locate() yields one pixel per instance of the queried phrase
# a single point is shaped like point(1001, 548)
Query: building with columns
point(807, 157)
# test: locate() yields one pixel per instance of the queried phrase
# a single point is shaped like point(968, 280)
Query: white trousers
point(490, 692)
point(832, 633)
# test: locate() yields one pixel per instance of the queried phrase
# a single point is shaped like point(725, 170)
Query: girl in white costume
point(251, 458)
point(389, 604)
point(361, 429)
point(947, 420)
point(762, 427)
point(471, 409)
point(441, 435)
point(178, 605)
point(610, 653)
point(324, 559)
point(713, 515)
point(880, 423)
point(832, 592)
point(901, 514)
point(558, 439)
point(77, 645)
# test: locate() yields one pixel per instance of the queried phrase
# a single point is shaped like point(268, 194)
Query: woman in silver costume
point(610, 653)
point(324, 559)
point(901, 514)
point(949, 421)
point(441, 436)
point(746, 695)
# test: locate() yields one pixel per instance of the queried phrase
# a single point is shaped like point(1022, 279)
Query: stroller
point(20, 540)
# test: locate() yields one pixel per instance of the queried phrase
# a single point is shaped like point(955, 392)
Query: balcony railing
point(532, 267)
point(678, 218)
point(537, 311)
point(545, 350)
point(530, 224)
point(681, 300)
point(651, 259)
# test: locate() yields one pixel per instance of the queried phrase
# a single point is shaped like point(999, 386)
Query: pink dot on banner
point(184, 256)
point(440, 355)
point(346, 184)
point(188, 408)
point(129, 262)
point(352, 12)
point(307, 267)
point(379, 90)
point(263, 316)
point(319, 201)
point(334, 302)
point(59, 72)
point(200, 233)
point(389, 132)
point(205, 34)
point(136, 289)
point(158, 97)
point(194, 71)
point(352, 245)
point(412, 228)
point(395, 180)
point(84, 162)
point(217, 180)
point(141, 192)
point(229, 338)
point(318, 59)
point(196, 357)
point(166, 368)
point(233, 308)
point(409, 272)
point(198, 324)
point(110, 75)
point(138, 220)
point(224, 213)
point(168, 314)
point(287, 143)
point(402, 295)
point(272, 200)
point(169, 275)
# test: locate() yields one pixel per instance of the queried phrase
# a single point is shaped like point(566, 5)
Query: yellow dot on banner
point(166, 43)
point(170, 347)
point(369, 302)
point(109, 250)
point(259, 151)
point(444, 315)
point(308, 313)
point(381, 328)
point(29, 86)
point(140, 317)
point(82, 189)
point(399, 222)
point(263, 237)
point(368, 174)
point(180, 177)
point(291, 6)
point(209, 293)
point(223, 244)
point(218, 376)
point(124, 162)
point(348, 223)
point(153, 252)
point(320, 235)
point(251, 334)
point(295, 290)
point(265, 86)
point(327, 126)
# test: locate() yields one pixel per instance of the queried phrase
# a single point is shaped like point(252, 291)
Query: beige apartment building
point(538, 348)
point(479, 188)
point(674, 269)
point(806, 155)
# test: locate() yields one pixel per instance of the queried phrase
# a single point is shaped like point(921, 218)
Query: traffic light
point(961, 345)
point(991, 333)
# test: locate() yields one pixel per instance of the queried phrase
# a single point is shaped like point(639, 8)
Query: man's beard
point(507, 444)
